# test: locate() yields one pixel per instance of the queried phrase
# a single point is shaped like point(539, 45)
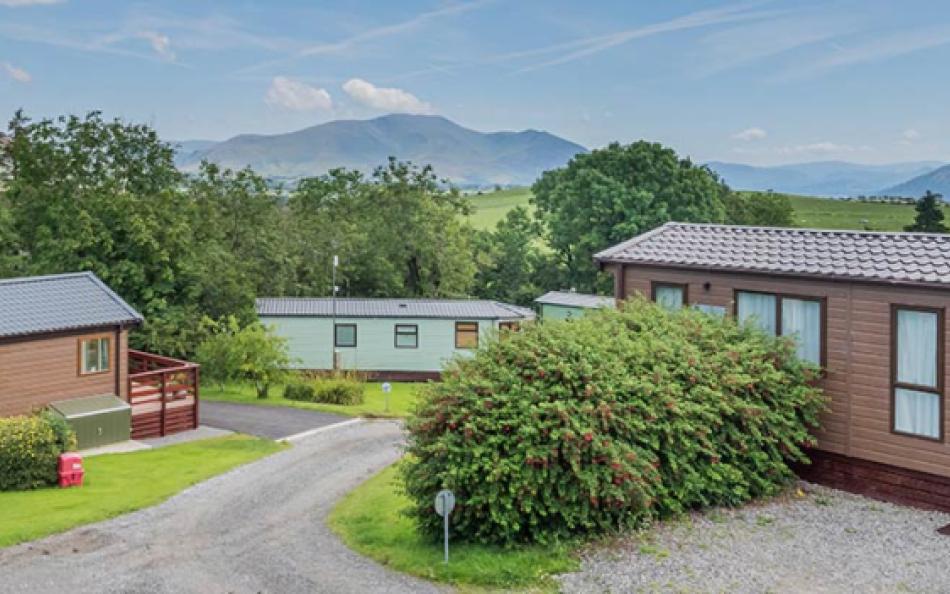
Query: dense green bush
point(299, 390)
point(29, 450)
point(610, 420)
point(328, 390)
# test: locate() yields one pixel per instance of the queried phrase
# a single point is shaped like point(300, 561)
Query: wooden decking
point(163, 393)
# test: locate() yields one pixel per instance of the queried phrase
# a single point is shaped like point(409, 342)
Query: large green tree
point(929, 218)
point(397, 233)
point(611, 194)
point(758, 208)
point(511, 265)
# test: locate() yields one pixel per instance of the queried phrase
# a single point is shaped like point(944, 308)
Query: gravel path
point(824, 541)
point(275, 422)
point(259, 528)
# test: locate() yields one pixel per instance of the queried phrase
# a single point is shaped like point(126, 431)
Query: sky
point(759, 82)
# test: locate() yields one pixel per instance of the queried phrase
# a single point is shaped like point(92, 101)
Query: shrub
point(252, 353)
point(298, 390)
point(29, 450)
point(339, 390)
point(609, 421)
point(328, 390)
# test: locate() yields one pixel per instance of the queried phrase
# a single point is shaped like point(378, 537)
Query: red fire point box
point(70, 470)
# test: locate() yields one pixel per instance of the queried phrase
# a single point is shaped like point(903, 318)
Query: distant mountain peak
point(821, 178)
point(462, 155)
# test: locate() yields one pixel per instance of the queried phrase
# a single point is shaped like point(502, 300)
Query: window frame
point(823, 315)
point(81, 342)
point(938, 391)
point(336, 336)
point(414, 333)
point(477, 332)
point(684, 287)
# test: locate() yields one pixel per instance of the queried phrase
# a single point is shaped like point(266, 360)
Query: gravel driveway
point(275, 422)
point(259, 528)
point(825, 541)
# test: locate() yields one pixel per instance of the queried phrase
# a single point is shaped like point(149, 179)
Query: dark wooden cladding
point(856, 350)
point(879, 481)
point(163, 393)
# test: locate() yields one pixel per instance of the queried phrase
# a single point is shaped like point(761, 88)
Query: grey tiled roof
point(895, 258)
point(40, 304)
point(391, 308)
point(572, 299)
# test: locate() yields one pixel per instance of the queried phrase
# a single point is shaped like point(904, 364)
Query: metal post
point(445, 524)
point(336, 261)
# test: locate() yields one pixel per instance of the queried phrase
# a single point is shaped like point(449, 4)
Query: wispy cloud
point(385, 99)
point(372, 34)
point(880, 47)
point(750, 134)
point(909, 136)
point(296, 95)
point(17, 74)
point(748, 43)
point(824, 148)
point(16, 3)
point(580, 48)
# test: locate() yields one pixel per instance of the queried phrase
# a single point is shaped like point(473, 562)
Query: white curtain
point(757, 307)
point(669, 297)
point(917, 412)
point(917, 348)
point(802, 319)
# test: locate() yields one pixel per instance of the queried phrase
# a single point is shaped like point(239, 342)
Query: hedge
point(609, 421)
point(29, 450)
point(330, 390)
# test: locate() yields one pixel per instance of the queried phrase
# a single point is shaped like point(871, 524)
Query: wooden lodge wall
point(858, 335)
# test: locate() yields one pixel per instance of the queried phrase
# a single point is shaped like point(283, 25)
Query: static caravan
point(564, 305)
point(870, 308)
point(408, 339)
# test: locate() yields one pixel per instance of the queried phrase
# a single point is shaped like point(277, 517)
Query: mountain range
point(836, 178)
point(466, 157)
point(469, 158)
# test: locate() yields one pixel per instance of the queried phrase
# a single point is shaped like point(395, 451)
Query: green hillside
point(821, 213)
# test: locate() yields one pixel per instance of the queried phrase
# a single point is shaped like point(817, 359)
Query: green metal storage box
point(97, 420)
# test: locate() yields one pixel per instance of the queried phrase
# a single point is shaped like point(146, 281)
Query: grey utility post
point(444, 504)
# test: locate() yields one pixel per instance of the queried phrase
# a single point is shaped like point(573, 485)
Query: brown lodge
point(868, 307)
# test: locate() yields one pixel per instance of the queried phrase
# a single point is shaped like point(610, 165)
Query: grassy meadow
point(376, 404)
point(821, 213)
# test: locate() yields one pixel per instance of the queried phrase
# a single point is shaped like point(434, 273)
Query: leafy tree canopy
point(609, 195)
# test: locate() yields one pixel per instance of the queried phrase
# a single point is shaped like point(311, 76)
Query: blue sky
point(757, 82)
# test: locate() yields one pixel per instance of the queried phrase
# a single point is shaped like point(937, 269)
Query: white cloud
point(17, 74)
point(385, 99)
point(161, 44)
point(750, 134)
point(28, 2)
point(908, 136)
point(298, 96)
point(821, 148)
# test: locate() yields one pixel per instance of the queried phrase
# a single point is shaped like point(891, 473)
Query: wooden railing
point(163, 393)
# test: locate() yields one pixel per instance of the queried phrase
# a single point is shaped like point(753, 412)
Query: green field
point(821, 213)
point(489, 208)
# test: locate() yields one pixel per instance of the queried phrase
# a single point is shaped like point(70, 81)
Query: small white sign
point(387, 387)
point(444, 502)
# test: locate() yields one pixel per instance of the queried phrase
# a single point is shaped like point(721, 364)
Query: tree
point(252, 353)
point(611, 194)
point(509, 260)
point(929, 217)
point(398, 233)
point(758, 208)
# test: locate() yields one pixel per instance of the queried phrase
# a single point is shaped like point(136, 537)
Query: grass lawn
point(369, 521)
point(401, 399)
point(115, 484)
